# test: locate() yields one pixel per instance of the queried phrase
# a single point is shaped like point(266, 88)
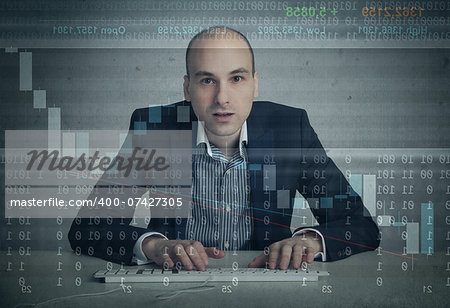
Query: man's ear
point(187, 95)
point(256, 88)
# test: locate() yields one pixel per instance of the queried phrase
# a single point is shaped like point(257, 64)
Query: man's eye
point(237, 78)
point(207, 81)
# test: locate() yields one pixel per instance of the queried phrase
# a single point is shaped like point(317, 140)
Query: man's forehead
point(223, 63)
point(223, 53)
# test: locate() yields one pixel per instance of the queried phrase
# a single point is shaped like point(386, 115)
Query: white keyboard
point(215, 275)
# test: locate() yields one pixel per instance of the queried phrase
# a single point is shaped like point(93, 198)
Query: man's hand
point(189, 253)
point(300, 248)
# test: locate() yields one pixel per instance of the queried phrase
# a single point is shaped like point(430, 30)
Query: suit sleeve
point(337, 208)
point(110, 235)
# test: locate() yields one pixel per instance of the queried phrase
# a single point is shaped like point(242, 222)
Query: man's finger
point(215, 253)
point(309, 258)
point(201, 252)
point(166, 261)
point(259, 261)
point(195, 258)
point(297, 256)
point(285, 257)
point(273, 256)
point(183, 257)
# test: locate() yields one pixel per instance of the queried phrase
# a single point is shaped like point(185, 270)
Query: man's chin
point(223, 132)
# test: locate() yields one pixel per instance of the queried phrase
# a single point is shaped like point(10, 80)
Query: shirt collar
point(203, 138)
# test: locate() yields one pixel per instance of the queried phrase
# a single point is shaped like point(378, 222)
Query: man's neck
point(228, 151)
point(226, 144)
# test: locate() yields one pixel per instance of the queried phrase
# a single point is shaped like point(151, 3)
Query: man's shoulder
point(266, 111)
point(267, 107)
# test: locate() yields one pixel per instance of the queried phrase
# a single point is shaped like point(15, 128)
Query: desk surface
point(367, 279)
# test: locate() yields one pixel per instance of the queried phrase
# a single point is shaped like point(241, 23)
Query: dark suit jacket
point(277, 135)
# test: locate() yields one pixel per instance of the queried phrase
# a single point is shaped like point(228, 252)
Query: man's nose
point(222, 95)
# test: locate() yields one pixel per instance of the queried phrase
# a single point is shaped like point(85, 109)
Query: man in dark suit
point(256, 155)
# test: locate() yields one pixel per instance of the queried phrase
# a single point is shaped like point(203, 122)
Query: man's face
point(221, 86)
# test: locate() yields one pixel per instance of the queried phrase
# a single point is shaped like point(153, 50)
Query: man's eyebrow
point(240, 70)
point(203, 73)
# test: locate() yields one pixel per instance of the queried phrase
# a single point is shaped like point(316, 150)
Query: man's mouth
point(223, 116)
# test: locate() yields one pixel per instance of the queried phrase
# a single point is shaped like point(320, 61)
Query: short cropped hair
point(212, 30)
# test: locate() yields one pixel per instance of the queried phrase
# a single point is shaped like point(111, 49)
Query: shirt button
point(227, 244)
point(228, 208)
point(228, 172)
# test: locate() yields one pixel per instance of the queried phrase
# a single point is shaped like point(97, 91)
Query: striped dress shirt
point(221, 216)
